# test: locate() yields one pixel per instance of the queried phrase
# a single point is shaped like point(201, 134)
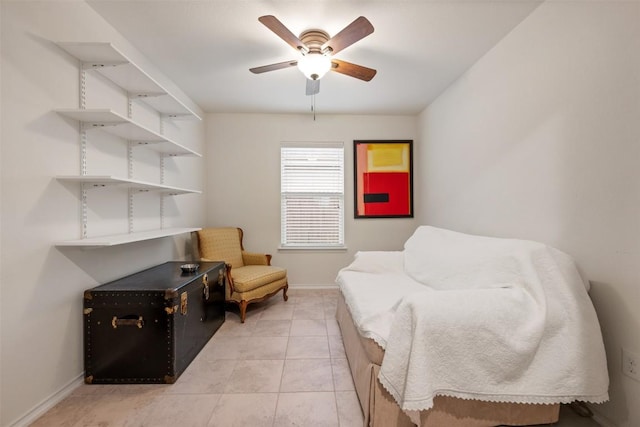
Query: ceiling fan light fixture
point(314, 65)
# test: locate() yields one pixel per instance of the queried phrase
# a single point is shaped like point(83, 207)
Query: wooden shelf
point(107, 60)
point(108, 180)
point(121, 239)
point(114, 123)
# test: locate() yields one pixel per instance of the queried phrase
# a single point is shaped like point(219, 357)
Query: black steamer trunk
point(148, 327)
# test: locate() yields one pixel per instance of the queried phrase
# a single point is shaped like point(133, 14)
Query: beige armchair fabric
point(250, 276)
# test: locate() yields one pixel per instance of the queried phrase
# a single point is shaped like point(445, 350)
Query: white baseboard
point(49, 402)
point(319, 286)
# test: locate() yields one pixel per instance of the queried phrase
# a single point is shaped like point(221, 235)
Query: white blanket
point(498, 320)
point(372, 286)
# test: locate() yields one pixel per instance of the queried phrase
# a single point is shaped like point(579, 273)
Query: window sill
point(311, 248)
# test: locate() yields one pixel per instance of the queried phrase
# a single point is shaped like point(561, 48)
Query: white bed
point(499, 321)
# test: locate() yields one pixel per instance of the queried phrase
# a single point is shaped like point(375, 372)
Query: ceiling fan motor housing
point(314, 39)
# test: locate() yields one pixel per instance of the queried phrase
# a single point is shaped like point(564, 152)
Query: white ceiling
point(418, 48)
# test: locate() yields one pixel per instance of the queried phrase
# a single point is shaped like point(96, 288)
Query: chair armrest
point(229, 278)
point(254, 258)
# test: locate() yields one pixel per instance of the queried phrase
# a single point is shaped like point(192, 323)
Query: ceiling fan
point(317, 50)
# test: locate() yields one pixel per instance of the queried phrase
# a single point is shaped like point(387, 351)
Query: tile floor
point(285, 366)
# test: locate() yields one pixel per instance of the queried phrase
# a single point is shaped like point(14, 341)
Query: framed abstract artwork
point(383, 179)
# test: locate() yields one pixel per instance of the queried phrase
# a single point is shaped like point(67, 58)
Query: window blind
point(312, 195)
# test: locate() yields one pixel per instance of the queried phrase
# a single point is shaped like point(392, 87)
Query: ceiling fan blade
point(352, 70)
point(357, 30)
point(313, 87)
point(273, 67)
point(272, 23)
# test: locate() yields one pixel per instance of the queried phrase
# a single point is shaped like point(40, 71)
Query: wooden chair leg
point(284, 292)
point(243, 310)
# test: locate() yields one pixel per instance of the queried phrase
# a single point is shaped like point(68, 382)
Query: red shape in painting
point(395, 184)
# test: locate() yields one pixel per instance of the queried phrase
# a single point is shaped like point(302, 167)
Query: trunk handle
point(205, 284)
point(127, 321)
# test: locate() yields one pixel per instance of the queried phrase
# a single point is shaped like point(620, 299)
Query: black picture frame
point(383, 178)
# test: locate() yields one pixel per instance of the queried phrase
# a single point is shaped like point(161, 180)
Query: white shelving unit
point(111, 122)
point(107, 60)
point(107, 180)
point(121, 239)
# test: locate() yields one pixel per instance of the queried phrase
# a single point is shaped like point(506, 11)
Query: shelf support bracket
point(98, 65)
point(162, 197)
point(83, 150)
point(83, 211)
point(130, 210)
point(84, 216)
point(83, 88)
point(82, 128)
point(146, 94)
point(173, 116)
point(130, 145)
point(162, 168)
point(129, 106)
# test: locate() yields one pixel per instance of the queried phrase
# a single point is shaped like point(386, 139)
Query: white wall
point(42, 285)
point(243, 184)
point(1, 257)
point(541, 140)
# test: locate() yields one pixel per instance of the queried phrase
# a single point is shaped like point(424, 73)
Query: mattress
point(380, 409)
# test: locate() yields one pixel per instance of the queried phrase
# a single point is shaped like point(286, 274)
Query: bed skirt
point(381, 410)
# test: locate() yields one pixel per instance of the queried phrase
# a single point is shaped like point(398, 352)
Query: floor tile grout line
point(335, 401)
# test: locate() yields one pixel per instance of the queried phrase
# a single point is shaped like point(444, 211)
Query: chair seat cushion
point(251, 277)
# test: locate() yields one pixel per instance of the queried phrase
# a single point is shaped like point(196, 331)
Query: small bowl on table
point(189, 268)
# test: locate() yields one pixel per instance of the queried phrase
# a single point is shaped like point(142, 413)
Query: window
point(312, 195)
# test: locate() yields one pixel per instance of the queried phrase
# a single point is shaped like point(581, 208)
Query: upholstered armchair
point(250, 276)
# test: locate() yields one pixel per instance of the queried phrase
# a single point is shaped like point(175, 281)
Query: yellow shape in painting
point(388, 157)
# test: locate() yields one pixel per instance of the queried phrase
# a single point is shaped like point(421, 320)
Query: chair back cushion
point(221, 244)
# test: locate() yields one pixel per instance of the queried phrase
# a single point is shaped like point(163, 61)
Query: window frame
point(339, 244)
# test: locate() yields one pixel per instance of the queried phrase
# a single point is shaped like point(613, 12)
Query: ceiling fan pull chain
point(313, 106)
